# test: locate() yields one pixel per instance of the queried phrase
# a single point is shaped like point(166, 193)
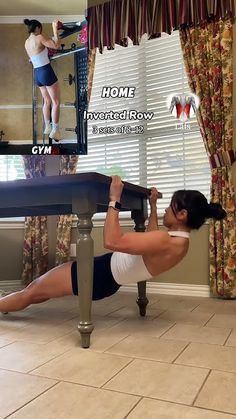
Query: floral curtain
point(35, 248)
point(207, 52)
point(68, 165)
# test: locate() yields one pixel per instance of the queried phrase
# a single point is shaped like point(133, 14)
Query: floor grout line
point(46, 362)
point(118, 372)
point(134, 407)
point(114, 344)
point(183, 404)
point(171, 327)
point(188, 344)
point(211, 317)
point(201, 387)
point(191, 311)
point(207, 368)
point(230, 333)
point(34, 398)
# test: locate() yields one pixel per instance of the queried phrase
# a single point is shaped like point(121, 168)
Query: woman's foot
point(3, 294)
point(55, 134)
point(47, 129)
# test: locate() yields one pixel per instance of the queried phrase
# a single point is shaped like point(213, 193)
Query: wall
point(192, 270)
point(92, 3)
point(15, 83)
point(11, 249)
point(35, 7)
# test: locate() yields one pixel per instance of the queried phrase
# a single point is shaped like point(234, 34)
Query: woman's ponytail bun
point(215, 211)
point(27, 22)
point(32, 25)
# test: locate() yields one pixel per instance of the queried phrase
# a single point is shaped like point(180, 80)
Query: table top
point(89, 178)
point(64, 194)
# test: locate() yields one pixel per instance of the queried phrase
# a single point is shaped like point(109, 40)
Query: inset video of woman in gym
point(36, 46)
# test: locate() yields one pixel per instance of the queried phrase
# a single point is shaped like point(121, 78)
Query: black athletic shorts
point(45, 76)
point(104, 284)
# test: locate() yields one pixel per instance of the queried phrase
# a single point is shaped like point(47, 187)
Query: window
point(164, 155)
point(11, 168)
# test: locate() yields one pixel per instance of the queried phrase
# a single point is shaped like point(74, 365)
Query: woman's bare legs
point(46, 104)
point(54, 283)
point(54, 93)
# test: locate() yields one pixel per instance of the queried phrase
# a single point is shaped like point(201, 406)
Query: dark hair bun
point(215, 211)
point(32, 24)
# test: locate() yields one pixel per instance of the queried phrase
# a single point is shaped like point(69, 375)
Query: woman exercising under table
point(36, 46)
point(135, 257)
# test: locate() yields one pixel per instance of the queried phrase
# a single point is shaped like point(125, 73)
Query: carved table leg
point(142, 301)
point(85, 255)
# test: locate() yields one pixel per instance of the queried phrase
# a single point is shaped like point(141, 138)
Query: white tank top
point(127, 269)
point(40, 59)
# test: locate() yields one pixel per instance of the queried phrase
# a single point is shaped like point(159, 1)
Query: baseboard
point(152, 288)
point(11, 285)
point(172, 289)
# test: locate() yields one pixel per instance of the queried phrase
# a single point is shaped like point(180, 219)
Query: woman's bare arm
point(49, 42)
point(153, 219)
point(55, 33)
point(53, 42)
point(134, 243)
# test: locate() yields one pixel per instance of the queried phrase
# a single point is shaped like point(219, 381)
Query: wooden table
point(84, 195)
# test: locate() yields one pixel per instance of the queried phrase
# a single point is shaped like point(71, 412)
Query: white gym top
point(127, 269)
point(40, 59)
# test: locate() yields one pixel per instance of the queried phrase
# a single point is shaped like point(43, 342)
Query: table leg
point(85, 256)
point(142, 301)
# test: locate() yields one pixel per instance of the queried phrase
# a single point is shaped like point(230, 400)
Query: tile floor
point(178, 362)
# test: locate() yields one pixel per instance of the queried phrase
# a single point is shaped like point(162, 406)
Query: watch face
point(117, 205)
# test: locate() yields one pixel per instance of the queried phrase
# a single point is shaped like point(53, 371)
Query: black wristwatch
point(114, 204)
